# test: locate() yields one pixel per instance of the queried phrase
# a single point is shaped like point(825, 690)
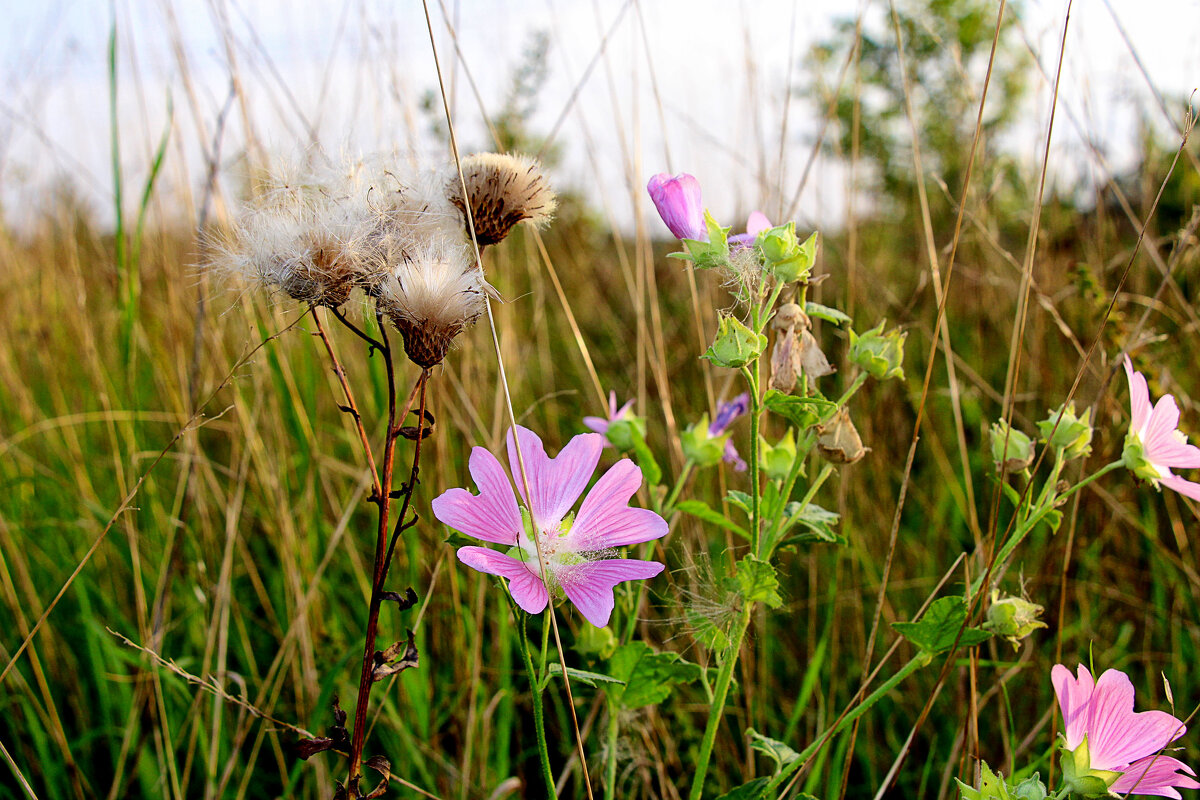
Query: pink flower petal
point(554, 483)
point(524, 584)
point(492, 515)
point(1160, 429)
point(597, 424)
point(1139, 398)
point(677, 198)
point(757, 222)
point(1116, 735)
point(605, 519)
point(1184, 487)
point(1073, 696)
point(590, 585)
point(1156, 775)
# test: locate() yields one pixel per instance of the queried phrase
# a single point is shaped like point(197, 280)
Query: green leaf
point(818, 521)
point(583, 676)
point(646, 677)
point(776, 750)
point(707, 632)
point(739, 499)
point(754, 790)
point(826, 313)
point(456, 540)
point(702, 511)
point(803, 412)
point(757, 582)
point(936, 631)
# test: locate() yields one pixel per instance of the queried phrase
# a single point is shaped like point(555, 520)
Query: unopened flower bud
point(786, 258)
point(735, 344)
point(1013, 618)
point(838, 440)
point(1064, 430)
point(777, 460)
point(880, 354)
point(1019, 452)
point(700, 446)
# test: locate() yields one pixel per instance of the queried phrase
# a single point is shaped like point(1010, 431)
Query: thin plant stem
point(918, 661)
point(539, 720)
point(350, 404)
point(610, 754)
point(716, 710)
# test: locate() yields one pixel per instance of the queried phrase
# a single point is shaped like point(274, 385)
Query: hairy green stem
point(717, 710)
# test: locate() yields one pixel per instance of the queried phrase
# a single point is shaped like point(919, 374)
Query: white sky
point(352, 72)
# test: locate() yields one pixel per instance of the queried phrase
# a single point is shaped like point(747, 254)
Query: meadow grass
point(243, 559)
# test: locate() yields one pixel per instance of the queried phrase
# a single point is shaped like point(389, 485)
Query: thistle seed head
point(501, 191)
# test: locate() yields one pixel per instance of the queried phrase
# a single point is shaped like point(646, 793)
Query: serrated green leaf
point(826, 313)
point(647, 677)
point(803, 412)
point(774, 749)
point(817, 522)
point(707, 632)
point(936, 631)
point(757, 582)
point(754, 790)
point(702, 511)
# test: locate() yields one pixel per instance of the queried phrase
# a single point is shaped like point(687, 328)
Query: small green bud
point(735, 344)
point(880, 354)
point(1012, 618)
point(1073, 436)
point(624, 432)
point(1020, 448)
point(700, 446)
point(992, 786)
point(786, 258)
point(777, 460)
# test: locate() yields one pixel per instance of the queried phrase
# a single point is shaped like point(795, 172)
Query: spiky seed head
point(432, 295)
point(502, 190)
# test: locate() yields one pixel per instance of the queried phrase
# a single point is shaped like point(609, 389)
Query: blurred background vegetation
point(243, 552)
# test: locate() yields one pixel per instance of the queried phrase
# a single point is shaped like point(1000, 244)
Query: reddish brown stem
point(341, 375)
point(382, 554)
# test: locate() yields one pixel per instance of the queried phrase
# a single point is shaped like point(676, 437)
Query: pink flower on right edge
point(1110, 742)
point(1153, 445)
point(576, 550)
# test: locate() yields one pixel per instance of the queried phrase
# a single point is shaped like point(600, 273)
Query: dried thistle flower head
point(502, 190)
point(433, 293)
point(307, 235)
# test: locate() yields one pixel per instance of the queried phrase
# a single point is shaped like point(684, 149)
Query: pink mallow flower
point(1108, 741)
point(577, 549)
point(677, 198)
point(756, 223)
point(600, 424)
point(1153, 445)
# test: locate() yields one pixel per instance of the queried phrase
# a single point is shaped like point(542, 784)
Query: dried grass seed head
point(501, 190)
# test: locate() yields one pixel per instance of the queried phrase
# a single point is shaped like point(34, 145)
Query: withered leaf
point(384, 768)
point(407, 601)
point(397, 658)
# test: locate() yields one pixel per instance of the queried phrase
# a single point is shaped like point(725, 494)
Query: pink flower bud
point(677, 198)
